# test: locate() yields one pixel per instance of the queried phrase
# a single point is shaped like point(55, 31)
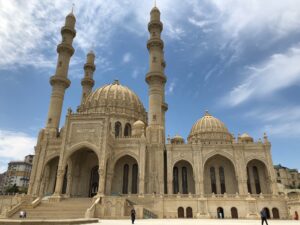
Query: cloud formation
point(278, 72)
point(14, 146)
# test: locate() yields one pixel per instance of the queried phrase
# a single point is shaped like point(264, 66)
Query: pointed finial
point(73, 5)
point(154, 3)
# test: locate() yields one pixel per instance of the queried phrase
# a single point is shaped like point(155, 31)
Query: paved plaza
point(195, 222)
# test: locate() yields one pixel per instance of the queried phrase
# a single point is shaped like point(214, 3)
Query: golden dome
point(177, 139)
point(114, 99)
point(209, 128)
point(246, 138)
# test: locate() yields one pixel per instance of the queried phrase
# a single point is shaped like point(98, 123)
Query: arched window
point(180, 211)
point(248, 181)
point(125, 179)
point(222, 180)
point(256, 180)
point(175, 180)
point(127, 130)
point(134, 179)
point(234, 213)
point(213, 180)
point(189, 212)
point(184, 181)
point(275, 213)
point(118, 129)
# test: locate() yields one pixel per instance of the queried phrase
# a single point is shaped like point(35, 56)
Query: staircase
point(70, 208)
point(148, 206)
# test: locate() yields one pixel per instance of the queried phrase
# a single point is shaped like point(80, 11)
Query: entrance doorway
point(234, 213)
point(275, 213)
point(94, 181)
point(189, 212)
point(180, 212)
point(220, 213)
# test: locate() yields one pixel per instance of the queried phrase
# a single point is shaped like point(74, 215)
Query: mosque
point(114, 153)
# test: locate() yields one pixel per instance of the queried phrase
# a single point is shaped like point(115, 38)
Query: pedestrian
point(296, 217)
point(263, 215)
point(132, 214)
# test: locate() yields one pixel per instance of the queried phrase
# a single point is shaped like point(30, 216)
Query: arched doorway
point(220, 213)
point(257, 177)
point(275, 213)
point(49, 176)
point(221, 176)
point(268, 213)
point(94, 181)
point(180, 212)
point(125, 178)
point(234, 213)
point(189, 212)
point(83, 172)
point(183, 178)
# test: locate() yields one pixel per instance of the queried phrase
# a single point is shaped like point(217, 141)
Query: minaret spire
point(59, 81)
point(156, 81)
point(88, 82)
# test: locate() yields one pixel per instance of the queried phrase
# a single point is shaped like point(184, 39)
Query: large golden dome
point(209, 129)
point(116, 100)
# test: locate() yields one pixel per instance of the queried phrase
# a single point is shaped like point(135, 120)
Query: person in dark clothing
point(132, 214)
point(263, 215)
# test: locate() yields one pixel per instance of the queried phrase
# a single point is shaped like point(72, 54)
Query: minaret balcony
point(69, 30)
point(155, 76)
point(155, 43)
point(54, 80)
point(88, 82)
point(154, 25)
point(89, 66)
point(64, 47)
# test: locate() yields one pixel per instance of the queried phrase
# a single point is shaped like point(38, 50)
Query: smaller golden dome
point(209, 128)
point(138, 124)
point(246, 138)
point(177, 139)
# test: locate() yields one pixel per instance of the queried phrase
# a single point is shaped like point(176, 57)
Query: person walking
point(132, 214)
point(263, 215)
point(296, 217)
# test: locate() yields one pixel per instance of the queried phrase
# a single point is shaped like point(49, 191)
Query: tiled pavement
point(196, 222)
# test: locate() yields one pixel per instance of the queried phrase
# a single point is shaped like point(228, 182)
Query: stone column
point(101, 188)
point(59, 182)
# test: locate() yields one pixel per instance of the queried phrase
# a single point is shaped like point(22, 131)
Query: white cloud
point(171, 87)
point(278, 72)
point(14, 146)
point(282, 122)
point(135, 73)
point(127, 57)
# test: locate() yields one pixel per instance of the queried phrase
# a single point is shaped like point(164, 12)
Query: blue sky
point(238, 59)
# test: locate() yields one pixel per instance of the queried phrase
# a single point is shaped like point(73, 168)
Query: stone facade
point(111, 149)
point(290, 178)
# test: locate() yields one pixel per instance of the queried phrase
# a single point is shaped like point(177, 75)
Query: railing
point(90, 212)
point(147, 214)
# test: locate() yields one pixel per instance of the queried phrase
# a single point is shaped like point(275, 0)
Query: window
point(184, 181)
point(127, 130)
point(118, 129)
point(125, 179)
point(213, 180)
point(222, 180)
point(256, 180)
point(175, 181)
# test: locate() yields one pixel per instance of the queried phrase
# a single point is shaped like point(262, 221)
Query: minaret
point(156, 78)
point(59, 81)
point(156, 81)
point(88, 82)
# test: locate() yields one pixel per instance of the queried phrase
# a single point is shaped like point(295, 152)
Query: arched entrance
point(221, 176)
point(49, 177)
point(234, 213)
point(268, 213)
point(257, 180)
point(83, 173)
point(189, 212)
point(125, 177)
point(220, 212)
point(275, 213)
point(183, 178)
point(180, 212)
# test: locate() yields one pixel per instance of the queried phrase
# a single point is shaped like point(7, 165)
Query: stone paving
point(196, 222)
